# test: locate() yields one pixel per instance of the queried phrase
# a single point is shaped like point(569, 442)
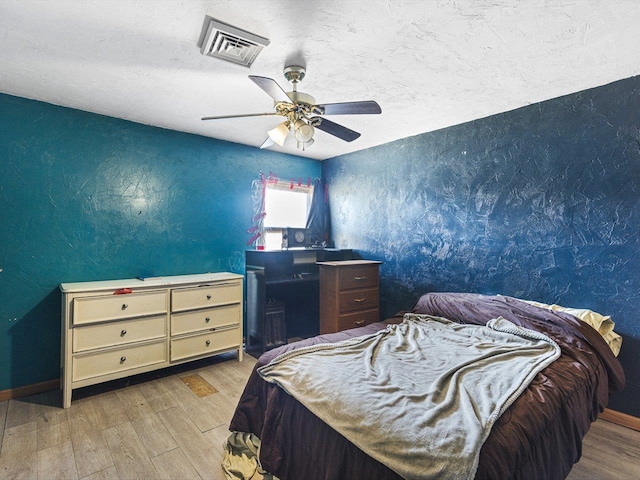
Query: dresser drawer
point(204, 343)
point(353, 300)
point(114, 307)
point(117, 360)
point(192, 321)
point(206, 296)
point(359, 319)
point(358, 276)
point(89, 337)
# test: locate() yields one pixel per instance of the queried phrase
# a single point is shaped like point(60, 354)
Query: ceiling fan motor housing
point(299, 97)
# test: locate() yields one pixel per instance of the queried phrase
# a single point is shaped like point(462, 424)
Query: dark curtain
point(319, 219)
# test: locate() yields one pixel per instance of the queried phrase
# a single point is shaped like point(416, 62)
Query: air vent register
point(231, 44)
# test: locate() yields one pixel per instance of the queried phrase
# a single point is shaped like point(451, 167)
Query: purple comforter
point(539, 436)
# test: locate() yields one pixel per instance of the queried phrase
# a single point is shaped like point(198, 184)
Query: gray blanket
point(420, 397)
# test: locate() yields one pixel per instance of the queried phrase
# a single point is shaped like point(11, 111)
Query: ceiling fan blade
point(242, 115)
point(334, 129)
point(267, 143)
point(272, 88)
point(351, 108)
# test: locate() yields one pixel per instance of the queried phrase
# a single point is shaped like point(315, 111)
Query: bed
point(538, 436)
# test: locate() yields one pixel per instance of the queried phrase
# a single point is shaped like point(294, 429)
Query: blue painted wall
point(541, 203)
point(87, 197)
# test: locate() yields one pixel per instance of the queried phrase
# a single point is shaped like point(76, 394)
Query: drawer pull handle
point(123, 359)
point(208, 297)
point(123, 333)
point(124, 306)
point(207, 319)
point(358, 323)
point(359, 278)
point(359, 300)
point(207, 343)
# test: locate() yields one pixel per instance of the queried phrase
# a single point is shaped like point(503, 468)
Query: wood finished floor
point(155, 426)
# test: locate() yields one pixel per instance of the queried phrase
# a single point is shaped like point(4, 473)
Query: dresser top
point(148, 282)
point(344, 263)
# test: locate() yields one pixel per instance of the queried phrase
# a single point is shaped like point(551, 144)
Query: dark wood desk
point(282, 298)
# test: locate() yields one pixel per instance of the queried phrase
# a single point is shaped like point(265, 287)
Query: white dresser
point(116, 328)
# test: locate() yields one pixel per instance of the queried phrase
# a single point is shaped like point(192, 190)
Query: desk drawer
point(89, 337)
point(358, 276)
point(118, 360)
point(205, 296)
point(115, 307)
point(204, 343)
point(353, 300)
point(206, 318)
point(359, 319)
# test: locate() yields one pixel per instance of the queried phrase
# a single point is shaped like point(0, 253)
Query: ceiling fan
point(302, 113)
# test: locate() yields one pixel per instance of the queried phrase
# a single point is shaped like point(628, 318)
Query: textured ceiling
point(429, 64)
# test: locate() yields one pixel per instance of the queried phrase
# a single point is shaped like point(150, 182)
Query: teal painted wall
point(88, 197)
point(541, 203)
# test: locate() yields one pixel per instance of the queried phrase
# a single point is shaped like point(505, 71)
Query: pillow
point(614, 341)
point(601, 323)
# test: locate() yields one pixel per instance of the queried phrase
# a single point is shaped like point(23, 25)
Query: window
point(286, 205)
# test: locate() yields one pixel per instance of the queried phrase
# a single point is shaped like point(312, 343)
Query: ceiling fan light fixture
point(303, 131)
point(279, 134)
point(304, 145)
